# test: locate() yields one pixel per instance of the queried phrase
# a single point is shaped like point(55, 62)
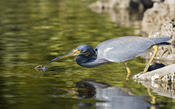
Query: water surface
point(33, 32)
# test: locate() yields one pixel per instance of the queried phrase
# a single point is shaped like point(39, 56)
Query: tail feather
point(161, 40)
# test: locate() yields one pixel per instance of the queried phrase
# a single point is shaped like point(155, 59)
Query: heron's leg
point(128, 71)
point(155, 47)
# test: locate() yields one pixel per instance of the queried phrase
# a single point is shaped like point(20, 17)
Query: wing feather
point(123, 48)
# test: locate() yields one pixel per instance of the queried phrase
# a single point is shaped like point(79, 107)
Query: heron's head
point(84, 50)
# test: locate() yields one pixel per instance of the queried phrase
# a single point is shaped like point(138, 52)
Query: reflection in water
point(163, 89)
point(111, 97)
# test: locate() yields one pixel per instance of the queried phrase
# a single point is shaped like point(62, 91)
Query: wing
point(123, 48)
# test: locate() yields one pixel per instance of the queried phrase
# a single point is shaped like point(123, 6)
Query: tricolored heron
point(115, 50)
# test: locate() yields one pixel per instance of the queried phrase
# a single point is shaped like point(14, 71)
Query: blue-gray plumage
point(113, 50)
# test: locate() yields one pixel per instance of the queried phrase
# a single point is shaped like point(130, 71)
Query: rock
point(123, 12)
point(159, 21)
point(166, 55)
point(161, 13)
point(165, 74)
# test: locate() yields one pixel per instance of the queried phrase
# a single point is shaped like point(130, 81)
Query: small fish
point(41, 68)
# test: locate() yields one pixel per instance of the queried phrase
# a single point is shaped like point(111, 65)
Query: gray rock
point(161, 13)
point(159, 21)
point(123, 12)
point(165, 74)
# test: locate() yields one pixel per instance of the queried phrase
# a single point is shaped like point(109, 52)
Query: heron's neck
point(92, 61)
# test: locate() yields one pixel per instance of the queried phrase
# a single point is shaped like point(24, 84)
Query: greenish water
point(32, 32)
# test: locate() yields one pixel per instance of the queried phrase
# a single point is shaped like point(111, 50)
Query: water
point(33, 32)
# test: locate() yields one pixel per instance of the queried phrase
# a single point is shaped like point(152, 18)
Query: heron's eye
point(84, 51)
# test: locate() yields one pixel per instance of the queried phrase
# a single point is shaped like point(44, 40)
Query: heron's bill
point(72, 53)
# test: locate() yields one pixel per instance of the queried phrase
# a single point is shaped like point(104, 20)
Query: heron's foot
point(142, 72)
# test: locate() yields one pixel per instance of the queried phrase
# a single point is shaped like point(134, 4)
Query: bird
point(115, 50)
